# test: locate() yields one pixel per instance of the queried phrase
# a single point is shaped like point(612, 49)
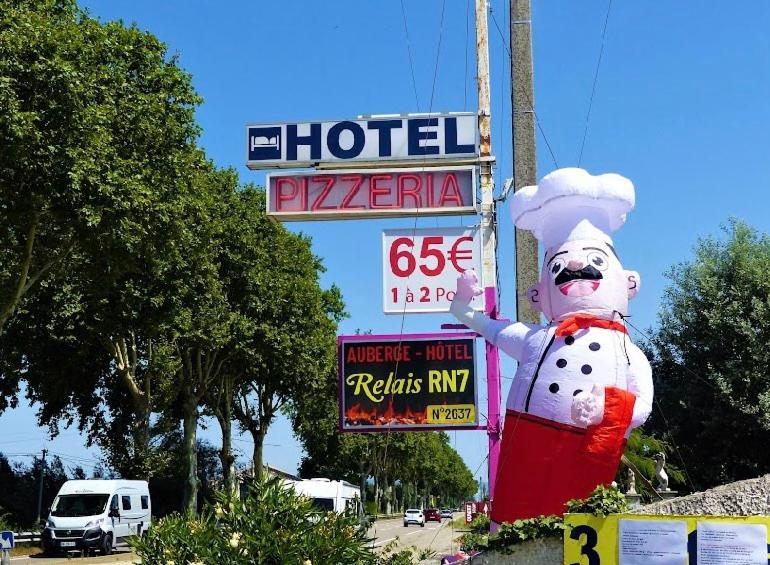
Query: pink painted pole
point(493, 394)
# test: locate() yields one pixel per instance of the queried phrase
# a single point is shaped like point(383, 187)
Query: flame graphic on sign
point(358, 416)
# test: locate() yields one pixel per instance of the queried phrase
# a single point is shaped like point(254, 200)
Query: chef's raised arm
point(509, 337)
point(640, 384)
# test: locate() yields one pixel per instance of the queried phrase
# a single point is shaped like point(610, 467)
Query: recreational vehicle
point(96, 514)
point(331, 496)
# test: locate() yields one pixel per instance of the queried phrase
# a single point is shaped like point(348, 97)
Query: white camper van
point(331, 496)
point(96, 514)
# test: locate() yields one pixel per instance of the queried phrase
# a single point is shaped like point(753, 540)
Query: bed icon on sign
point(264, 143)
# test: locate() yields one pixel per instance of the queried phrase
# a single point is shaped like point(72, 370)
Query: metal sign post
point(488, 239)
point(6, 545)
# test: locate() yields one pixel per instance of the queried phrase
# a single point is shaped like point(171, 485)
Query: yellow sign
point(593, 540)
point(451, 414)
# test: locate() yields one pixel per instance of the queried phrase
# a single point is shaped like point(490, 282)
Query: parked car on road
point(446, 513)
point(432, 515)
point(414, 516)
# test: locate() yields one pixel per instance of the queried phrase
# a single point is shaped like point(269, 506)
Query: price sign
point(420, 268)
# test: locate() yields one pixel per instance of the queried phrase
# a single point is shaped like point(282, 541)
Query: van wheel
point(106, 548)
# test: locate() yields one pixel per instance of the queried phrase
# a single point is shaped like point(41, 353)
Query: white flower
point(235, 539)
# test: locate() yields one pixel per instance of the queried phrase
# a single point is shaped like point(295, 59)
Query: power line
point(438, 54)
point(596, 77)
point(531, 104)
point(467, 43)
point(409, 51)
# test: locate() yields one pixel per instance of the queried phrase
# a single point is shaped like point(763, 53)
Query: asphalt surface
point(434, 536)
point(120, 556)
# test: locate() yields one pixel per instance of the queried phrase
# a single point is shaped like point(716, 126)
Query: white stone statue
point(660, 472)
point(631, 479)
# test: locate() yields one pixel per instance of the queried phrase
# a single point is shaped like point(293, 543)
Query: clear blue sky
point(681, 107)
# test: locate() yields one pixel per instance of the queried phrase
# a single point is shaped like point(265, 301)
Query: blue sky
point(681, 108)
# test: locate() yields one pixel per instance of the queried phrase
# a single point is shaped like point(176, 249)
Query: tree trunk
point(142, 438)
point(258, 435)
point(388, 496)
point(190, 503)
point(363, 476)
point(226, 452)
point(376, 495)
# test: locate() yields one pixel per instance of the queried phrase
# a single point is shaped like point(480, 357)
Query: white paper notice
point(649, 542)
point(732, 544)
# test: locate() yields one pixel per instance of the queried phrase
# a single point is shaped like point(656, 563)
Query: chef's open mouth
point(578, 283)
point(578, 288)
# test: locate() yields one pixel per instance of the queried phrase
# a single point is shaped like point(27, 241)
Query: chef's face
point(583, 276)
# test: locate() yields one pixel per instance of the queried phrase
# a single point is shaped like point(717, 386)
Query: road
point(120, 556)
point(437, 537)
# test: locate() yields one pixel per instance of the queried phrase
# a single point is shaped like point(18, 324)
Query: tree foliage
point(19, 484)
point(408, 468)
point(96, 122)
point(710, 359)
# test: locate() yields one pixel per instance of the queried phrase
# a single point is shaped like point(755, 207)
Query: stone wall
point(537, 552)
point(742, 498)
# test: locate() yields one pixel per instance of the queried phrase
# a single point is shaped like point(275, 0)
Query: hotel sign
point(422, 138)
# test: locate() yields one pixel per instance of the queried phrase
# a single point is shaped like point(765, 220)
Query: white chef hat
point(570, 204)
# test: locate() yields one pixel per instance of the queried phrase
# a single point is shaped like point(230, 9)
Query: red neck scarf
point(585, 321)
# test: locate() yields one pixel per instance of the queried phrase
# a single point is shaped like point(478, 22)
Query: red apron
point(543, 463)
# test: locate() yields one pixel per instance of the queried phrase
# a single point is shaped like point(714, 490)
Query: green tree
point(99, 174)
point(287, 322)
point(95, 122)
point(710, 359)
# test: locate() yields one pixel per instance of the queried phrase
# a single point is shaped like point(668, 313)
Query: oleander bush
point(271, 525)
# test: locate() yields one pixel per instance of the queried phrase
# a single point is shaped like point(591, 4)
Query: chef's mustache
point(589, 272)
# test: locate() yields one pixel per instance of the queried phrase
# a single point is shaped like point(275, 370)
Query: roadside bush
point(526, 530)
point(5, 524)
point(480, 524)
point(601, 502)
point(392, 554)
point(473, 542)
point(271, 525)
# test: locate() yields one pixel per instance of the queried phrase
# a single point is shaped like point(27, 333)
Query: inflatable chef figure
point(581, 385)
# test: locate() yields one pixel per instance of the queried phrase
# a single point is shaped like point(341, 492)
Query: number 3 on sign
point(588, 547)
point(421, 266)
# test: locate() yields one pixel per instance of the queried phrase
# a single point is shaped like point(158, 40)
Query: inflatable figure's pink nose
point(575, 265)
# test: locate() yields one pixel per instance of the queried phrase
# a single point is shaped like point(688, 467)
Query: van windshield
point(71, 505)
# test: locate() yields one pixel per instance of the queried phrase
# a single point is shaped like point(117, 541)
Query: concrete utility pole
point(488, 240)
point(40, 488)
point(524, 159)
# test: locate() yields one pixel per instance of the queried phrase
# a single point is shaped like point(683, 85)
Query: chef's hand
point(588, 407)
point(467, 287)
